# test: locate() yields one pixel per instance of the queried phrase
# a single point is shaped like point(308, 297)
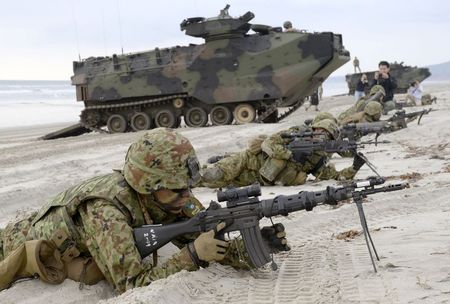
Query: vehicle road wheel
point(141, 121)
point(244, 113)
point(165, 119)
point(220, 115)
point(117, 123)
point(196, 117)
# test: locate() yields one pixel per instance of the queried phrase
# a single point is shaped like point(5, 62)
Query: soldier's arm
point(274, 147)
point(324, 171)
point(109, 238)
point(329, 172)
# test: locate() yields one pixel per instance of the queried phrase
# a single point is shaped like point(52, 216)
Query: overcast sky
point(39, 39)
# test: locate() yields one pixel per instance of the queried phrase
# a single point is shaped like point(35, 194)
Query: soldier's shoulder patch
point(192, 207)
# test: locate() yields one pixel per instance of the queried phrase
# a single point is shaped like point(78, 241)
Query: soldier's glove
point(275, 238)
point(358, 162)
point(207, 248)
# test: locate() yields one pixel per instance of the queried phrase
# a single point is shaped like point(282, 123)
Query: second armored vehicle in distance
point(404, 75)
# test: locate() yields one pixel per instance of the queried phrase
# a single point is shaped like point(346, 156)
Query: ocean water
point(25, 103)
point(32, 91)
point(335, 85)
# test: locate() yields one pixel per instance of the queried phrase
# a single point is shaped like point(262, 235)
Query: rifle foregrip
point(335, 195)
point(255, 246)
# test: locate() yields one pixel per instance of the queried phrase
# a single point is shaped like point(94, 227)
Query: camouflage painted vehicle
point(234, 75)
point(404, 74)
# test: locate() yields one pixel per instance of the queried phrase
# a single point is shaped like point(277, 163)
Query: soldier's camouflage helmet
point(287, 24)
point(329, 125)
point(373, 109)
point(322, 116)
point(377, 88)
point(161, 159)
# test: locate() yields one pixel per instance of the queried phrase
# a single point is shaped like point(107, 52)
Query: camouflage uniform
point(427, 99)
point(96, 218)
point(371, 113)
point(274, 165)
point(324, 115)
point(376, 94)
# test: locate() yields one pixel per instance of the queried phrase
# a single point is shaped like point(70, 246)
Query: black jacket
point(389, 85)
point(361, 86)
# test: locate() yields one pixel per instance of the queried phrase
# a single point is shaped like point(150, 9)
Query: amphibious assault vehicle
point(404, 75)
point(234, 76)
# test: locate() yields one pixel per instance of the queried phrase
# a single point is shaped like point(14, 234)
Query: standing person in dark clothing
point(361, 86)
point(383, 78)
point(313, 101)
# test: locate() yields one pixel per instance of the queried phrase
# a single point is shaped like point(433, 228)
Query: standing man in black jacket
point(383, 78)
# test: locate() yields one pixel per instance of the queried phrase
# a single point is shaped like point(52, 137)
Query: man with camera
point(382, 77)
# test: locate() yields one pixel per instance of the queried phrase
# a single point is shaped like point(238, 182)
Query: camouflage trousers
point(15, 234)
point(246, 168)
point(411, 101)
point(240, 169)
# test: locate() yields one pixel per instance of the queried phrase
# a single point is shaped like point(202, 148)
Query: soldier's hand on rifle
point(275, 238)
point(208, 248)
point(358, 162)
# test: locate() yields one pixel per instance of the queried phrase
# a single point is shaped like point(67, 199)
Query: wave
point(36, 92)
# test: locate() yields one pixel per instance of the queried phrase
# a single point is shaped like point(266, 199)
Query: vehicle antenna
point(74, 17)
point(104, 32)
point(120, 25)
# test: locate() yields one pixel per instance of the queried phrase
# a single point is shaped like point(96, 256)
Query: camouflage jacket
point(358, 117)
point(273, 165)
point(317, 164)
point(357, 107)
point(98, 216)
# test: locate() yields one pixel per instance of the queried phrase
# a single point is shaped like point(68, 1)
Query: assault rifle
point(308, 133)
point(401, 118)
point(354, 131)
point(244, 210)
point(302, 148)
point(401, 105)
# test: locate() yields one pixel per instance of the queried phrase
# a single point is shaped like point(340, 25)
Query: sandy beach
point(410, 228)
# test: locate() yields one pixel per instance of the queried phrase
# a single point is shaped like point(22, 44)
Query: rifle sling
point(318, 165)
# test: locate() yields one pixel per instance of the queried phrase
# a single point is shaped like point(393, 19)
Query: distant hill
point(440, 71)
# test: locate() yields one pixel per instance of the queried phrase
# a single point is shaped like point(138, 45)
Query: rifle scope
point(239, 194)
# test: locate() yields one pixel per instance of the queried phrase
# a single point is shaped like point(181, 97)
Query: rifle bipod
point(357, 199)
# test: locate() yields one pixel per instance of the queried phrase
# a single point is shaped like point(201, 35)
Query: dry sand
point(410, 228)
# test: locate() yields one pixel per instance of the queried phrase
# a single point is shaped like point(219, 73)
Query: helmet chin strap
point(147, 218)
point(168, 206)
